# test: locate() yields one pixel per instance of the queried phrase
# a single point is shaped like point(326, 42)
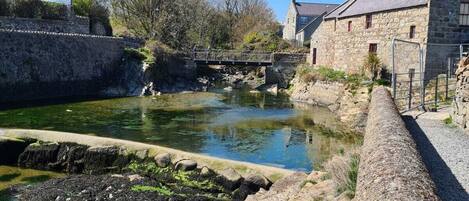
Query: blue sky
point(280, 7)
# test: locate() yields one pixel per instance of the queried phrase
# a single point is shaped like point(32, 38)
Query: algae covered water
point(238, 125)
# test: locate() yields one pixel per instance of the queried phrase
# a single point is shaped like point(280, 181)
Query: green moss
point(163, 190)
point(142, 54)
point(275, 177)
point(184, 179)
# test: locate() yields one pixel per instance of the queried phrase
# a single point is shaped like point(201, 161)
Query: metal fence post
point(422, 79)
point(448, 73)
point(394, 79)
point(436, 93)
point(411, 78)
point(461, 51)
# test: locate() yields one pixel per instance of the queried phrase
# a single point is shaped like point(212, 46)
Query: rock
point(142, 154)
point(254, 92)
point(163, 160)
point(135, 177)
point(255, 182)
point(99, 160)
point(39, 155)
point(283, 189)
point(205, 171)
point(231, 179)
point(228, 89)
point(186, 165)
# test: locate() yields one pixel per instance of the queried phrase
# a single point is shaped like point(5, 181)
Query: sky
point(280, 7)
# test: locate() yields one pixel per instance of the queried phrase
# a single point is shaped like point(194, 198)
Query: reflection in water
point(258, 128)
point(12, 175)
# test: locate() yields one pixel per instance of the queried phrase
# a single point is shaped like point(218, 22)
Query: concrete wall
point(343, 50)
point(47, 65)
point(391, 167)
point(80, 25)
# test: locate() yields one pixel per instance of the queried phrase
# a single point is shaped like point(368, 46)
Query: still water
point(238, 125)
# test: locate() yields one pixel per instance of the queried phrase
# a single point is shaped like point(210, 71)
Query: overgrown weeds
point(344, 171)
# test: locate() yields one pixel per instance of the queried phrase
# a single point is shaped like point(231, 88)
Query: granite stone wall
point(460, 113)
point(79, 25)
point(41, 65)
point(443, 28)
point(391, 167)
point(344, 50)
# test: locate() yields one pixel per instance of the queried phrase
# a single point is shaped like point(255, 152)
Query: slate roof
point(360, 7)
point(314, 9)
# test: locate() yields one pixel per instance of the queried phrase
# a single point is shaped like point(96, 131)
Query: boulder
point(69, 158)
point(186, 165)
point(231, 179)
point(256, 181)
point(163, 160)
point(99, 160)
point(39, 155)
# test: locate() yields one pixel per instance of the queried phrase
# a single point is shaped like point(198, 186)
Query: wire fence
point(423, 75)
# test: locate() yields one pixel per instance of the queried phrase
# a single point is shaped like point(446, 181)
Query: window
point(349, 26)
point(315, 51)
point(369, 21)
point(412, 32)
point(373, 49)
point(304, 20)
point(464, 13)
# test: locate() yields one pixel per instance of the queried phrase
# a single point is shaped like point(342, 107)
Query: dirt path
point(445, 151)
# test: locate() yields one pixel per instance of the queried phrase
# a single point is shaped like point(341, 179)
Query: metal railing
point(214, 55)
point(423, 74)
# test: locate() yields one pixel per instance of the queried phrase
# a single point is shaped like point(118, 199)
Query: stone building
point(359, 27)
point(303, 18)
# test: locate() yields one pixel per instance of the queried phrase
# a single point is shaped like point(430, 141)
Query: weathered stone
point(39, 155)
point(232, 179)
point(283, 189)
point(391, 167)
point(101, 159)
point(186, 165)
point(205, 171)
point(460, 112)
point(255, 182)
point(163, 160)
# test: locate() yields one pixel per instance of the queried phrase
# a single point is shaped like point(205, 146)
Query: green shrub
point(372, 66)
point(448, 121)
point(263, 41)
point(55, 11)
point(5, 8)
point(28, 8)
point(352, 176)
point(142, 54)
point(82, 7)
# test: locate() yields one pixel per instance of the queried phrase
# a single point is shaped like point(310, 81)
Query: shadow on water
point(9, 177)
point(448, 187)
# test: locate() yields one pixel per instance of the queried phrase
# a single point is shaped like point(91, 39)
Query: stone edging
point(218, 164)
point(391, 167)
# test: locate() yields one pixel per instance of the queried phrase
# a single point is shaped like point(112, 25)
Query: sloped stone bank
point(391, 167)
point(122, 170)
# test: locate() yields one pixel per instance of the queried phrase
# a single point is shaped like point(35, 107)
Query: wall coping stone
point(391, 167)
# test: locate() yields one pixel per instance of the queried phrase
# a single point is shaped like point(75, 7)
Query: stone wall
point(79, 25)
point(460, 112)
point(343, 50)
point(391, 167)
point(289, 30)
point(47, 65)
point(444, 28)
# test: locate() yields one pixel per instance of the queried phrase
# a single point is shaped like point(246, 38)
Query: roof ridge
point(317, 3)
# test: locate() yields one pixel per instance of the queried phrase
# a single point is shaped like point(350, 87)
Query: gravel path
point(445, 151)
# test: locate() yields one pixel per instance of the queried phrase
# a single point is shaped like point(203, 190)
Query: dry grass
point(343, 170)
